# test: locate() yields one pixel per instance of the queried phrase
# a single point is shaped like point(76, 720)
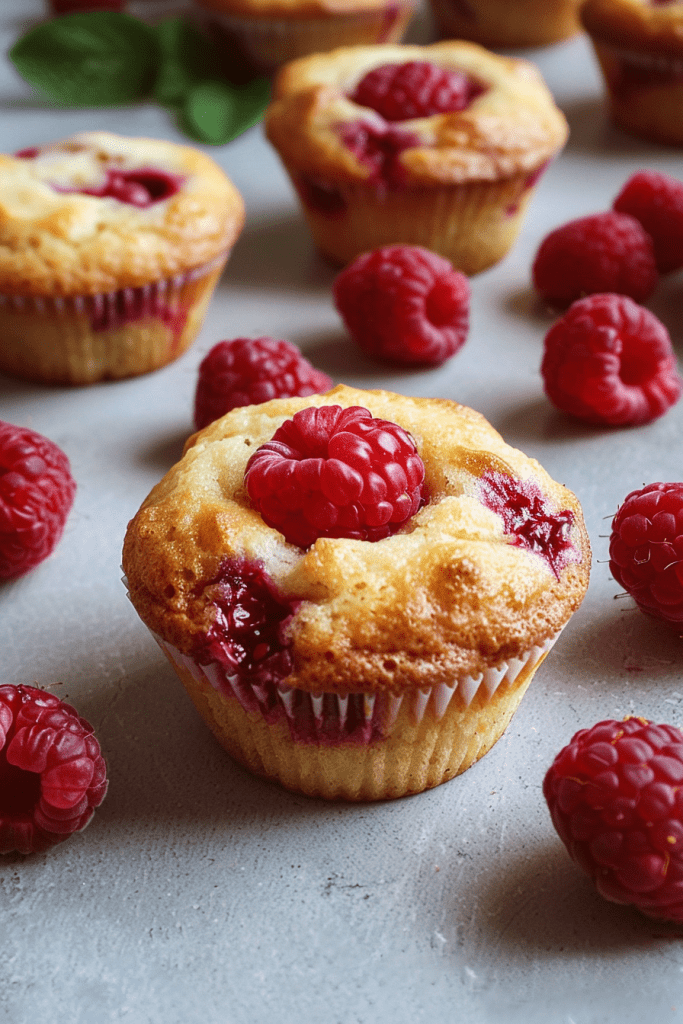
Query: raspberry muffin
point(438, 146)
point(501, 23)
point(110, 250)
point(639, 45)
point(260, 35)
point(356, 588)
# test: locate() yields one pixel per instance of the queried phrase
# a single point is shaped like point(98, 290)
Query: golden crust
point(293, 9)
point(635, 24)
point(514, 127)
point(448, 596)
point(56, 244)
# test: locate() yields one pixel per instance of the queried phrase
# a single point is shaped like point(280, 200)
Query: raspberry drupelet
point(646, 550)
point(615, 795)
point(246, 371)
point(605, 252)
point(404, 304)
point(333, 472)
point(52, 773)
point(36, 495)
point(610, 361)
point(656, 200)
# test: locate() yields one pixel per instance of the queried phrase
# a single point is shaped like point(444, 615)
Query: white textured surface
point(200, 894)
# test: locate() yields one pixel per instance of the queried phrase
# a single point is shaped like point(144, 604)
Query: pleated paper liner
point(264, 43)
point(357, 746)
point(81, 339)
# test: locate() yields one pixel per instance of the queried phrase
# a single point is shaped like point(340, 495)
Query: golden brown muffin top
point(295, 9)
point(512, 127)
point(449, 595)
point(636, 24)
point(56, 241)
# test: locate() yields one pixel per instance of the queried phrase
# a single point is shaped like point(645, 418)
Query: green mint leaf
point(95, 59)
point(216, 112)
point(187, 58)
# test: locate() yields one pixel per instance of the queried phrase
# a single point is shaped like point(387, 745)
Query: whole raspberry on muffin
point(615, 795)
point(336, 472)
point(646, 550)
point(52, 773)
point(606, 252)
point(36, 495)
point(656, 200)
point(244, 371)
point(415, 88)
point(404, 304)
point(610, 361)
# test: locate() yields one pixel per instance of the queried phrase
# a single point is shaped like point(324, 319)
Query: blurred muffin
point(260, 35)
point(439, 146)
point(501, 23)
point(342, 658)
point(639, 45)
point(110, 248)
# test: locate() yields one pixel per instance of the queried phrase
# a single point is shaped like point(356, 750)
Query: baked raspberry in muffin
point(639, 45)
point(503, 23)
point(110, 248)
point(438, 146)
point(383, 649)
point(260, 35)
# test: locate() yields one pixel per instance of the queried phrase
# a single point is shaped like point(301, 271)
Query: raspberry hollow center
point(19, 789)
point(333, 472)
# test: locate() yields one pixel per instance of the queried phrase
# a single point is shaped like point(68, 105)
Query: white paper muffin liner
point(332, 717)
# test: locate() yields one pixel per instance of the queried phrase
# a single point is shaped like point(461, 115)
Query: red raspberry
point(52, 774)
point(646, 550)
point(379, 148)
point(610, 361)
point(405, 304)
point(415, 89)
point(246, 371)
point(607, 252)
point(36, 495)
point(615, 795)
point(656, 200)
point(333, 472)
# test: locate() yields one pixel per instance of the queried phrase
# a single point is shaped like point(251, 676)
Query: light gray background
point(200, 894)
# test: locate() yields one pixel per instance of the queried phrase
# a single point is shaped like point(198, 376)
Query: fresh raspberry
point(52, 774)
point(610, 361)
point(415, 89)
point(333, 472)
point(36, 495)
point(248, 619)
point(656, 200)
point(615, 794)
point(607, 252)
point(247, 371)
point(405, 304)
point(379, 148)
point(646, 550)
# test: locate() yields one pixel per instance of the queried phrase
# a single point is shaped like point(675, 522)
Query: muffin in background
point(261, 35)
point(508, 23)
point(110, 248)
point(639, 46)
point(439, 146)
point(374, 661)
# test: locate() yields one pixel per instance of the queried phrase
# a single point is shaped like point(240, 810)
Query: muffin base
point(408, 744)
point(645, 92)
point(264, 44)
point(473, 225)
point(83, 339)
point(507, 23)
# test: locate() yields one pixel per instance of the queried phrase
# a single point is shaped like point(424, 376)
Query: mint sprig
point(94, 60)
point(103, 58)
